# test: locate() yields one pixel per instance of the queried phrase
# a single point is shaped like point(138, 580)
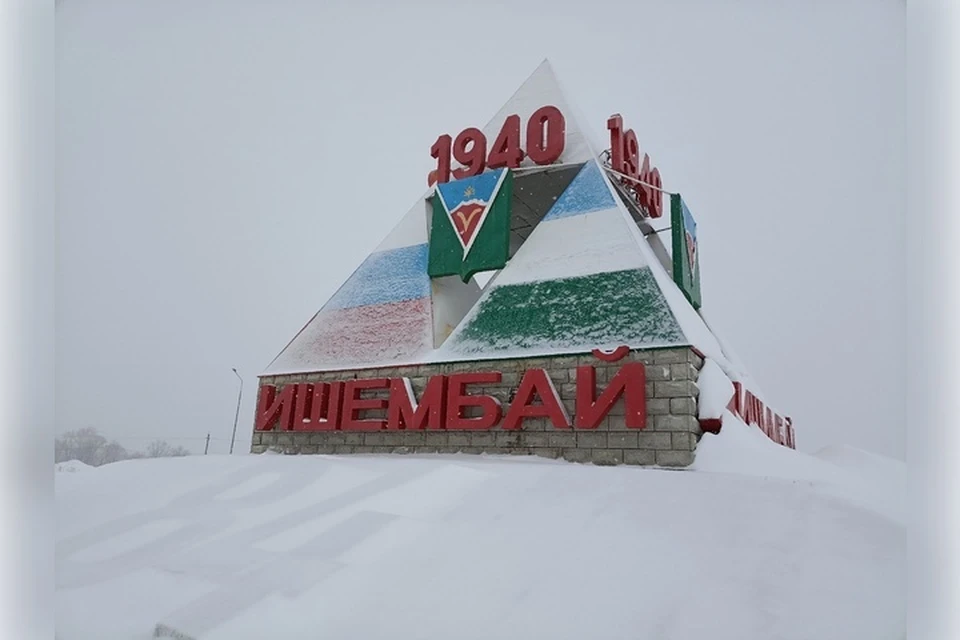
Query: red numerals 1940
point(625, 158)
point(546, 137)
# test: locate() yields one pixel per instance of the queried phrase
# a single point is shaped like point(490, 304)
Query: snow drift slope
point(468, 547)
point(856, 476)
point(71, 466)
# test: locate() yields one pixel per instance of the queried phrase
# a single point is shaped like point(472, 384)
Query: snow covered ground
point(72, 466)
point(757, 542)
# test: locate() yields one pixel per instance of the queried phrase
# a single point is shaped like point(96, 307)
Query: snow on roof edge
point(439, 356)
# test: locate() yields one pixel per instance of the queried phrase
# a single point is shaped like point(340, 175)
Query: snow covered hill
point(757, 542)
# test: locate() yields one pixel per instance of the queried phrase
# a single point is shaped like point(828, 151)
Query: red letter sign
point(319, 409)
point(458, 400)
point(474, 159)
point(405, 413)
point(546, 135)
point(630, 382)
point(353, 404)
point(270, 406)
point(625, 158)
point(536, 382)
point(506, 150)
point(546, 139)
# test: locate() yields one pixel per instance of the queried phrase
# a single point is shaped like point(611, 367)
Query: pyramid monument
point(526, 304)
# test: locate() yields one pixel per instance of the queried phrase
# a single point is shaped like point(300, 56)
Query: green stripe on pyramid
point(619, 307)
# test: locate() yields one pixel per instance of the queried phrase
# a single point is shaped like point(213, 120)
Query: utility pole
point(236, 417)
point(206, 447)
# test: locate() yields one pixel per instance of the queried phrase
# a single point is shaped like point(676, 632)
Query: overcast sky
point(223, 166)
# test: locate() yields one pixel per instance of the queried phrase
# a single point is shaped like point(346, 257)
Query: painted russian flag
point(380, 316)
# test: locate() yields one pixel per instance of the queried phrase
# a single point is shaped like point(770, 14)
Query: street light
point(236, 417)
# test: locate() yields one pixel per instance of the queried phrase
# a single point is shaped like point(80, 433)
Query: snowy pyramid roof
point(581, 275)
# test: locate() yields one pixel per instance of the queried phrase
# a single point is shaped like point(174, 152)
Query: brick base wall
point(669, 439)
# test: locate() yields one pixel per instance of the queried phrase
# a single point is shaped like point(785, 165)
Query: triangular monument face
point(526, 197)
point(587, 317)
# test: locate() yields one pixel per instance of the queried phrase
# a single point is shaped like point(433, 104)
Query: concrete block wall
point(669, 439)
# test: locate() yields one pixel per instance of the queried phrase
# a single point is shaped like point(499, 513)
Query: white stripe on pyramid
point(581, 245)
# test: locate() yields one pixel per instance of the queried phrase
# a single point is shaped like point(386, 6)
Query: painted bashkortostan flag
point(470, 232)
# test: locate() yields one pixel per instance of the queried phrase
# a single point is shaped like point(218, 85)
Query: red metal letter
point(656, 209)
point(335, 403)
point(271, 405)
point(644, 192)
point(312, 416)
point(475, 160)
point(734, 405)
point(405, 413)
point(749, 411)
point(615, 125)
point(301, 411)
point(319, 401)
point(506, 151)
point(441, 151)
point(545, 147)
point(631, 156)
point(353, 404)
point(630, 382)
point(536, 382)
point(458, 400)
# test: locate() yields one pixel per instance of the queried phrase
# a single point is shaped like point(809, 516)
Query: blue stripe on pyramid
point(588, 192)
point(394, 275)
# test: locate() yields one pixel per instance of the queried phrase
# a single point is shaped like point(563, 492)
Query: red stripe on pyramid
point(370, 334)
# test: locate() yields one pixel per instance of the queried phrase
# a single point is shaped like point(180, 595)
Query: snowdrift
point(72, 466)
point(757, 541)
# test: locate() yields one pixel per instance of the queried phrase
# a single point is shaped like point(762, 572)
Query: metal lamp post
point(237, 416)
